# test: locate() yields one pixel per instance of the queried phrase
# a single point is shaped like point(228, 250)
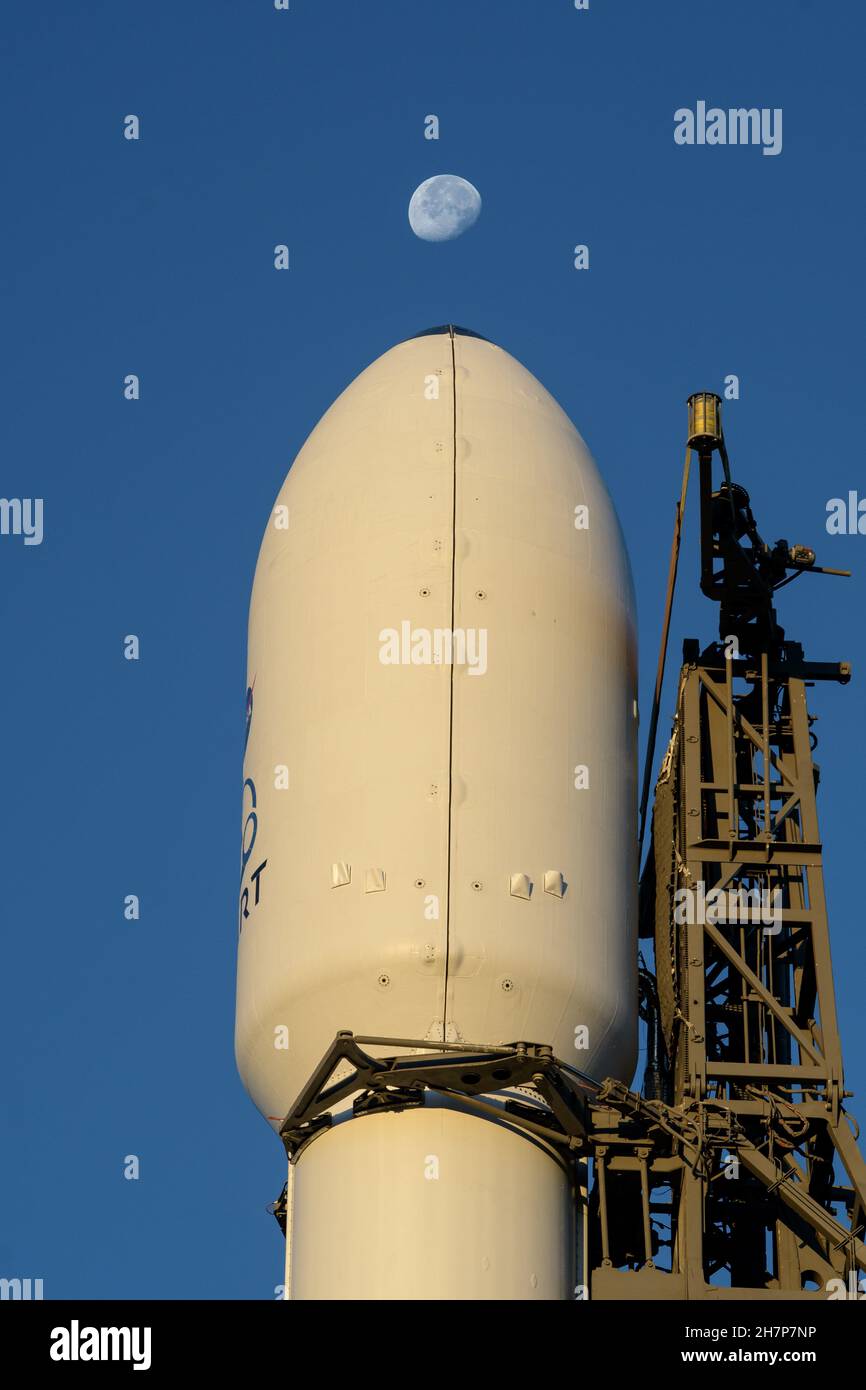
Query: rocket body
point(438, 808)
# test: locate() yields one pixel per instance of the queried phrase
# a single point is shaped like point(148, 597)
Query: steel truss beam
point(745, 1152)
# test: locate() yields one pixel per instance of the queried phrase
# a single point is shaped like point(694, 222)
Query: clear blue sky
point(156, 257)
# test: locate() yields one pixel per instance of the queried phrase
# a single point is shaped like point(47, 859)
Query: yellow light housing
point(705, 420)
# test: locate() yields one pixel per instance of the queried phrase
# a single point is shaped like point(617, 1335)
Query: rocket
point(438, 816)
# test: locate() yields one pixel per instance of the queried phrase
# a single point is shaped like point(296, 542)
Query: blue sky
point(156, 257)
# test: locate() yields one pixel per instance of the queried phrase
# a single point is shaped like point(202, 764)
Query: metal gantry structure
point(723, 1179)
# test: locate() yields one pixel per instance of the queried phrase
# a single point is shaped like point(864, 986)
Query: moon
point(443, 207)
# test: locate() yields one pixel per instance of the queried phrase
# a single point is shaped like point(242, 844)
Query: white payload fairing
point(439, 835)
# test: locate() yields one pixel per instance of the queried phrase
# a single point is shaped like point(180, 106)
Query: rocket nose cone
point(452, 328)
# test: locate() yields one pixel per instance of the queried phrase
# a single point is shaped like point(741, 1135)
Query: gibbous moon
point(443, 207)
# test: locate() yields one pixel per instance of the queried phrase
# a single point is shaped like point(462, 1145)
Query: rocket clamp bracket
point(462, 1073)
